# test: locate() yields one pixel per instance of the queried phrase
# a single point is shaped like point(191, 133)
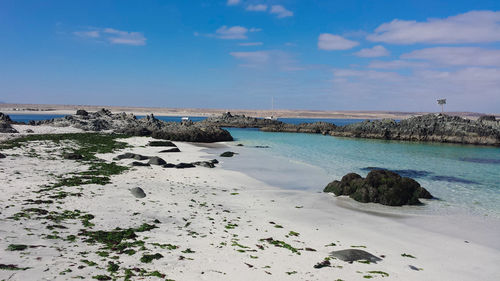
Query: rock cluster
point(240, 121)
point(380, 186)
point(5, 124)
point(104, 120)
point(154, 160)
point(430, 127)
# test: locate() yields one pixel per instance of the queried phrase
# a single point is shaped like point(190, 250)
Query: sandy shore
point(216, 219)
point(206, 112)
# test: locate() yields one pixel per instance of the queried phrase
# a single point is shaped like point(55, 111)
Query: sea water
point(465, 178)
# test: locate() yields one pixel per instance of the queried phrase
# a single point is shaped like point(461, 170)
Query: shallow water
point(466, 186)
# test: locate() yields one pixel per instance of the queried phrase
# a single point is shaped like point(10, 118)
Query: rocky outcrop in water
point(310, 128)
point(104, 120)
point(240, 121)
point(380, 186)
point(430, 127)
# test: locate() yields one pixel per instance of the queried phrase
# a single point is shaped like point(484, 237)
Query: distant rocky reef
point(430, 127)
point(104, 120)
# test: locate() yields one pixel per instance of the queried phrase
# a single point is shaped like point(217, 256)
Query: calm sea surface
point(465, 178)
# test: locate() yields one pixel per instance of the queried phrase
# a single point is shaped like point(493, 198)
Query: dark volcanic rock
point(169, 165)
point(5, 124)
point(310, 128)
point(72, 156)
point(487, 118)
point(430, 127)
point(184, 165)
point(174, 149)
point(240, 121)
point(140, 164)
point(228, 154)
point(207, 164)
point(2, 156)
point(130, 155)
point(162, 143)
point(352, 255)
point(138, 192)
point(380, 186)
point(156, 161)
point(123, 123)
point(82, 112)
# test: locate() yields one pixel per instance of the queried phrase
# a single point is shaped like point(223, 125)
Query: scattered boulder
point(82, 112)
point(2, 156)
point(130, 155)
point(156, 161)
point(184, 165)
point(228, 154)
point(5, 127)
point(380, 186)
point(206, 164)
point(140, 164)
point(29, 131)
point(162, 143)
point(137, 192)
point(169, 165)
point(174, 149)
point(72, 156)
point(352, 255)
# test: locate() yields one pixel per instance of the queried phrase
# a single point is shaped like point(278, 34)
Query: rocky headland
point(129, 124)
point(430, 127)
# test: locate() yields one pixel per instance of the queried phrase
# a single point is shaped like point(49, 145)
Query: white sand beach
point(213, 224)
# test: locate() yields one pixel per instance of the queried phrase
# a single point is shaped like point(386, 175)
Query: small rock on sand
point(351, 255)
point(140, 164)
point(227, 154)
point(72, 156)
point(2, 156)
point(156, 161)
point(138, 192)
point(174, 149)
point(161, 143)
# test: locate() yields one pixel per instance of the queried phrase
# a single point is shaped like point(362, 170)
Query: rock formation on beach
point(104, 120)
point(380, 186)
point(5, 124)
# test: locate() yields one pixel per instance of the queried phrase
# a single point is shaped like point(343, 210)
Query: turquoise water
point(465, 178)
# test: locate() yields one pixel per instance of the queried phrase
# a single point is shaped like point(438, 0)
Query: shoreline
point(206, 201)
point(40, 109)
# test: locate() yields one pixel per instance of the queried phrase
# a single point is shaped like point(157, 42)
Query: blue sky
point(318, 55)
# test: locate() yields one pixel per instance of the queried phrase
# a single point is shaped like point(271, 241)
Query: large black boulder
point(380, 186)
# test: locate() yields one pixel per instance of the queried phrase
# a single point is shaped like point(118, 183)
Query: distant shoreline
point(38, 109)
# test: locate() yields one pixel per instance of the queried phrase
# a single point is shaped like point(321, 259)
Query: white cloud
point(257, 8)
point(273, 60)
point(87, 34)
point(332, 42)
point(235, 32)
point(470, 27)
point(397, 64)
point(457, 56)
point(280, 11)
point(233, 2)
point(258, 57)
point(253, 29)
point(251, 44)
point(114, 36)
point(376, 51)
